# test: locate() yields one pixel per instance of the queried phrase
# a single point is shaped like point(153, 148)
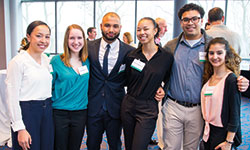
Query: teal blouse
point(69, 89)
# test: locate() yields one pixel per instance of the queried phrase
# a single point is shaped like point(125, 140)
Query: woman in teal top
point(70, 90)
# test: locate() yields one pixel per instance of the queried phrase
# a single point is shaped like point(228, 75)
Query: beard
point(110, 38)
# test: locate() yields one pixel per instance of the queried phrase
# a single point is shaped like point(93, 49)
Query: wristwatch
point(229, 142)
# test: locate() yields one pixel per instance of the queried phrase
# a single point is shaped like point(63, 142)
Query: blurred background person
point(163, 29)
point(127, 38)
point(91, 33)
point(219, 29)
point(207, 26)
point(70, 90)
point(29, 92)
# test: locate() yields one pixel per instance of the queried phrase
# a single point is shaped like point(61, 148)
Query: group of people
point(51, 101)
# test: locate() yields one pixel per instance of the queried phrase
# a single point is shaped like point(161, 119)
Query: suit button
point(106, 81)
point(103, 94)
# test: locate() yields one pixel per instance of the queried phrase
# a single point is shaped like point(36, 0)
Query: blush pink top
point(211, 105)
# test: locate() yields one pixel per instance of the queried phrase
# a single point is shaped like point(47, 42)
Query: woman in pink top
point(220, 98)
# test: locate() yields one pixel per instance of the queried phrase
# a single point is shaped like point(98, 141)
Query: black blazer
point(101, 87)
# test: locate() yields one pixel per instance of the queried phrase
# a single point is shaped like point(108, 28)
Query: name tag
point(202, 56)
point(50, 68)
point(138, 65)
point(209, 91)
point(122, 68)
point(83, 70)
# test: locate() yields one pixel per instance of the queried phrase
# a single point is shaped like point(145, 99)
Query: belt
point(185, 104)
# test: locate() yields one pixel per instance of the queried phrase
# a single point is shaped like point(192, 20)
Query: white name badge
point(83, 70)
point(202, 56)
point(209, 91)
point(50, 68)
point(122, 68)
point(138, 65)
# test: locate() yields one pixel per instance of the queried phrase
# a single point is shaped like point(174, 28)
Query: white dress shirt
point(26, 80)
point(113, 53)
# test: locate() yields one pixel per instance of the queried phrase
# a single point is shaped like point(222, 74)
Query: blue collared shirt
point(187, 71)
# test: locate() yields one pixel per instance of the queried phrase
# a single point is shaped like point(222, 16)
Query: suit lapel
point(96, 53)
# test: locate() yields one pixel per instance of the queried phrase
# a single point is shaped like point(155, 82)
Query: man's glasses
point(193, 19)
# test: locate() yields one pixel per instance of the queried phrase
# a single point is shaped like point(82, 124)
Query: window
point(155, 9)
point(240, 12)
point(68, 13)
point(44, 11)
point(126, 11)
point(86, 14)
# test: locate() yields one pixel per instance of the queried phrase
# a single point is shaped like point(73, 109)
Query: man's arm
point(243, 83)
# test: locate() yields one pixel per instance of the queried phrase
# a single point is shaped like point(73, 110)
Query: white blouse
point(26, 80)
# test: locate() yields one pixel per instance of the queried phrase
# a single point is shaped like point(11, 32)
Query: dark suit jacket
point(101, 87)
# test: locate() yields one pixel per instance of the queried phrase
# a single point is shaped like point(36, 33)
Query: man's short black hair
point(215, 14)
point(191, 6)
point(90, 29)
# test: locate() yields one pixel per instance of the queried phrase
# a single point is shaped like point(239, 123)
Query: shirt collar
point(112, 45)
point(139, 50)
point(201, 41)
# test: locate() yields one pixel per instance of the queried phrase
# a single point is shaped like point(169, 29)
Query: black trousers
point(69, 128)
point(96, 127)
point(38, 121)
point(138, 120)
point(217, 135)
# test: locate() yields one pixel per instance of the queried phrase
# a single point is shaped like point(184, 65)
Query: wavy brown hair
point(83, 54)
point(232, 59)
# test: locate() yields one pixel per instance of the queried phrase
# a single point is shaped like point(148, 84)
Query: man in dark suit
point(106, 85)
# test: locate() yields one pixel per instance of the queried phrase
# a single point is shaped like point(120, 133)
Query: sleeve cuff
point(18, 125)
point(232, 128)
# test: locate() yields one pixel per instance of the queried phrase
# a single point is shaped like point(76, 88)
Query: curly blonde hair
point(232, 59)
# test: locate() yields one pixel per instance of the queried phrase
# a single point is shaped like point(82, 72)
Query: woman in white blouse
point(29, 91)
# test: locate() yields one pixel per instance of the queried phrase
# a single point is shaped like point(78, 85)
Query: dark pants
point(217, 135)
point(138, 120)
point(37, 118)
point(69, 128)
point(96, 127)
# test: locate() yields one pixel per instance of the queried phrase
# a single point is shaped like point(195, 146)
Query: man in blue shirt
point(182, 119)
